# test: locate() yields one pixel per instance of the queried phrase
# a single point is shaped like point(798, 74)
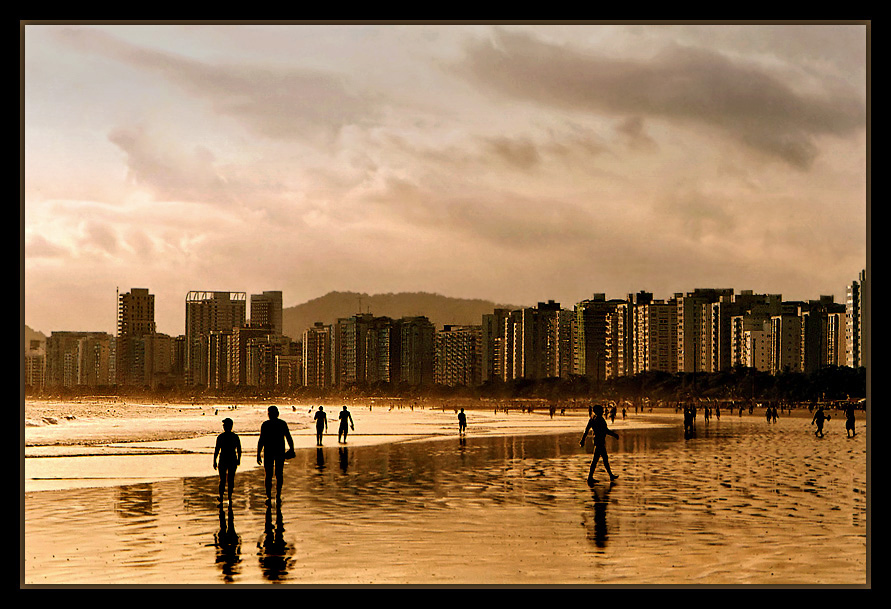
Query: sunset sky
point(514, 163)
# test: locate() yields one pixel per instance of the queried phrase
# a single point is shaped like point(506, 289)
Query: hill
point(441, 310)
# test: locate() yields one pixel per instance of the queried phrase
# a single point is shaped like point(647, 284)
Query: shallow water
point(742, 502)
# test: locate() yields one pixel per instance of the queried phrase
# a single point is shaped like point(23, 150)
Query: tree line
point(739, 384)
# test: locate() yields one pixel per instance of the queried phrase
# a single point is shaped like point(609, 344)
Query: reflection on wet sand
point(275, 554)
point(228, 544)
point(738, 501)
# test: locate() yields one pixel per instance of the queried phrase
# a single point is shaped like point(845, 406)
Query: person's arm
point(237, 450)
point(260, 448)
point(288, 438)
point(216, 452)
point(585, 435)
point(353, 427)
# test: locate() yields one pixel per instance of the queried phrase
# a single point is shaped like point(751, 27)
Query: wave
point(44, 421)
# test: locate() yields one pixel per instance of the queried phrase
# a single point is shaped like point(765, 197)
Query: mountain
point(441, 310)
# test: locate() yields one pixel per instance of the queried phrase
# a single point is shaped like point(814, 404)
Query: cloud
point(695, 87)
point(271, 100)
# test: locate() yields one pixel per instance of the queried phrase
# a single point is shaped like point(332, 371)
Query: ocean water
point(741, 502)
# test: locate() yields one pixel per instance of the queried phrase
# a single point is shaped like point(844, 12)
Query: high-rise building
point(317, 356)
point(655, 336)
point(207, 312)
point(857, 318)
point(491, 347)
point(266, 311)
point(35, 364)
point(690, 324)
point(79, 359)
point(458, 356)
point(136, 320)
point(417, 350)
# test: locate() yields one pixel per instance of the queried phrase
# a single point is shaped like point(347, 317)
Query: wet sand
point(743, 502)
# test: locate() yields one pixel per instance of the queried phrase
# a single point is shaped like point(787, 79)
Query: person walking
point(597, 426)
point(462, 423)
point(321, 419)
point(345, 419)
point(227, 457)
point(819, 418)
point(274, 433)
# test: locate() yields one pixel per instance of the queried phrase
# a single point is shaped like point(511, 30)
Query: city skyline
point(510, 163)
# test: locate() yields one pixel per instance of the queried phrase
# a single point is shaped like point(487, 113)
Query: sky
point(516, 163)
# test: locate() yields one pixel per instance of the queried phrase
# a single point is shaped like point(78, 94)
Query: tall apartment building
point(79, 359)
point(350, 349)
point(207, 312)
point(591, 327)
point(417, 350)
point(785, 341)
point(136, 320)
point(317, 356)
point(655, 336)
point(35, 364)
point(266, 311)
point(857, 318)
point(691, 312)
point(491, 347)
point(458, 355)
point(619, 322)
point(263, 353)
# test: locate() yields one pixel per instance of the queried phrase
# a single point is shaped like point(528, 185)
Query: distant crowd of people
point(275, 435)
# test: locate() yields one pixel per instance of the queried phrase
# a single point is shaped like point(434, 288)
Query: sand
point(408, 502)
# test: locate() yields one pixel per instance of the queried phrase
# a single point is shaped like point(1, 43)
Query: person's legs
point(269, 462)
point(231, 481)
point(279, 475)
point(594, 462)
point(223, 473)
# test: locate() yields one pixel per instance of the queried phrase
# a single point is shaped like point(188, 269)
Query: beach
point(126, 494)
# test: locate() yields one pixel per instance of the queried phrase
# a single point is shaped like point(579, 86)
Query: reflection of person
point(462, 422)
point(597, 425)
point(819, 417)
point(228, 545)
point(321, 424)
point(271, 446)
point(228, 450)
point(345, 419)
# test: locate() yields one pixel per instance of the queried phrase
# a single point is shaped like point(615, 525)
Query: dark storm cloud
point(750, 104)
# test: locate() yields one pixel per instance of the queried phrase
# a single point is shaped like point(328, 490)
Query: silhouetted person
point(321, 424)
point(462, 423)
point(775, 415)
point(597, 425)
point(228, 450)
point(849, 420)
point(271, 446)
point(819, 418)
point(345, 419)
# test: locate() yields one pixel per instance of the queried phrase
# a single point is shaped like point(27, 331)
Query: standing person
point(597, 425)
point(228, 449)
point(321, 424)
point(345, 418)
point(274, 433)
point(849, 420)
point(819, 418)
point(462, 423)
